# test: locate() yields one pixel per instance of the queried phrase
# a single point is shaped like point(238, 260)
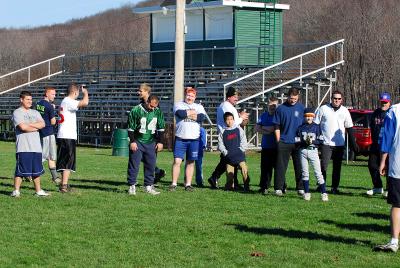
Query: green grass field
point(100, 225)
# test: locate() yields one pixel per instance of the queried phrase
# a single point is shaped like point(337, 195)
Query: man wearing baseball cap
point(377, 119)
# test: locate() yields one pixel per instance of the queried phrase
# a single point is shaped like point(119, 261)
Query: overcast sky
point(34, 13)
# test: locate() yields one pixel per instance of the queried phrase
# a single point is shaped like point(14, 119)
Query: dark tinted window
point(361, 120)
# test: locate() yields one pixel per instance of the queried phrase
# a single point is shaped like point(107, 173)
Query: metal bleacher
point(113, 94)
point(113, 91)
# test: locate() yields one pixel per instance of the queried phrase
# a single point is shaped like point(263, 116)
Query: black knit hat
point(231, 92)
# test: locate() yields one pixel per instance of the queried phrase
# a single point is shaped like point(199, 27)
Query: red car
point(362, 130)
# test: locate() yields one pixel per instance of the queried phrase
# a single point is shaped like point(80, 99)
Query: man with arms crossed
point(27, 122)
point(49, 147)
point(67, 133)
point(188, 115)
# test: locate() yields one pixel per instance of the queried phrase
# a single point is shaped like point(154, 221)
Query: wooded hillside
point(369, 27)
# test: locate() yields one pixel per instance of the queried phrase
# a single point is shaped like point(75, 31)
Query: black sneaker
point(189, 188)
point(159, 175)
point(213, 183)
point(335, 191)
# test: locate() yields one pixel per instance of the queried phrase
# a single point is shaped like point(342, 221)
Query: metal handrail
point(293, 59)
point(33, 65)
point(29, 68)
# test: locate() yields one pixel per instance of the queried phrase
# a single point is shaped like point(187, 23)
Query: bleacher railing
point(194, 58)
point(31, 74)
point(294, 69)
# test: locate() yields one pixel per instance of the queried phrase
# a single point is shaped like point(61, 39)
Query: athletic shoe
point(324, 197)
point(15, 193)
point(278, 193)
point(41, 193)
point(307, 196)
point(56, 181)
point(150, 190)
point(159, 175)
point(385, 194)
point(300, 192)
point(189, 188)
point(375, 191)
point(213, 182)
point(65, 188)
point(172, 188)
point(387, 247)
point(132, 190)
point(335, 191)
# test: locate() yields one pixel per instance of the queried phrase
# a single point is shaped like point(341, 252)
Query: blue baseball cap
point(384, 97)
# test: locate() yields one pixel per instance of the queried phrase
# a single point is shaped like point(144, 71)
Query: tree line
point(369, 27)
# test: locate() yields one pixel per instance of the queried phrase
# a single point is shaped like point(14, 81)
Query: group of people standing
point(288, 130)
point(36, 142)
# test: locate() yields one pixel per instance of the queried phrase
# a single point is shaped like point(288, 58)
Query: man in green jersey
point(146, 133)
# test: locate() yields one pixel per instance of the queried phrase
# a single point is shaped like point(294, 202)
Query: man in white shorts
point(49, 147)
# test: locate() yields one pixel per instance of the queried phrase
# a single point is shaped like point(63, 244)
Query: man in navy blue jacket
point(288, 117)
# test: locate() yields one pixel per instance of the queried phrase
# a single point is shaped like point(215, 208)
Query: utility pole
point(179, 50)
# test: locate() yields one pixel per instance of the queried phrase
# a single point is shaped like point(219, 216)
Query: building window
point(164, 27)
point(219, 23)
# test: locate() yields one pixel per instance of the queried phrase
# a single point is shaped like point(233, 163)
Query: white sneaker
point(324, 197)
point(15, 193)
point(375, 191)
point(278, 193)
point(385, 194)
point(307, 196)
point(300, 192)
point(42, 193)
point(150, 190)
point(132, 190)
point(387, 247)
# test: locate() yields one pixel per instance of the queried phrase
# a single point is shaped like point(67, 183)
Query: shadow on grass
point(376, 216)
point(99, 188)
point(113, 183)
point(355, 188)
point(299, 234)
point(359, 227)
point(6, 178)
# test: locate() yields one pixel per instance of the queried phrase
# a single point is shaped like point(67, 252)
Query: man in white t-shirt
point(335, 120)
point(67, 133)
point(188, 115)
point(232, 97)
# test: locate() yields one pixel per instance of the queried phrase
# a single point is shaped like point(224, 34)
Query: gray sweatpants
point(310, 155)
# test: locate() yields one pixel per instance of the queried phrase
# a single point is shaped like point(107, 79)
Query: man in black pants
point(374, 152)
point(288, 117)
point(335, 120)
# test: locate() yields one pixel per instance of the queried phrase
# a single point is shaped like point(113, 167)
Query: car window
point(361, 120)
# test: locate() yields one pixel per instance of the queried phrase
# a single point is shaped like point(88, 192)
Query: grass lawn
point(100, 225)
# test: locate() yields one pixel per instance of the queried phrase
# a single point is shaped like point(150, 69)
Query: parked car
point(362, 131)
